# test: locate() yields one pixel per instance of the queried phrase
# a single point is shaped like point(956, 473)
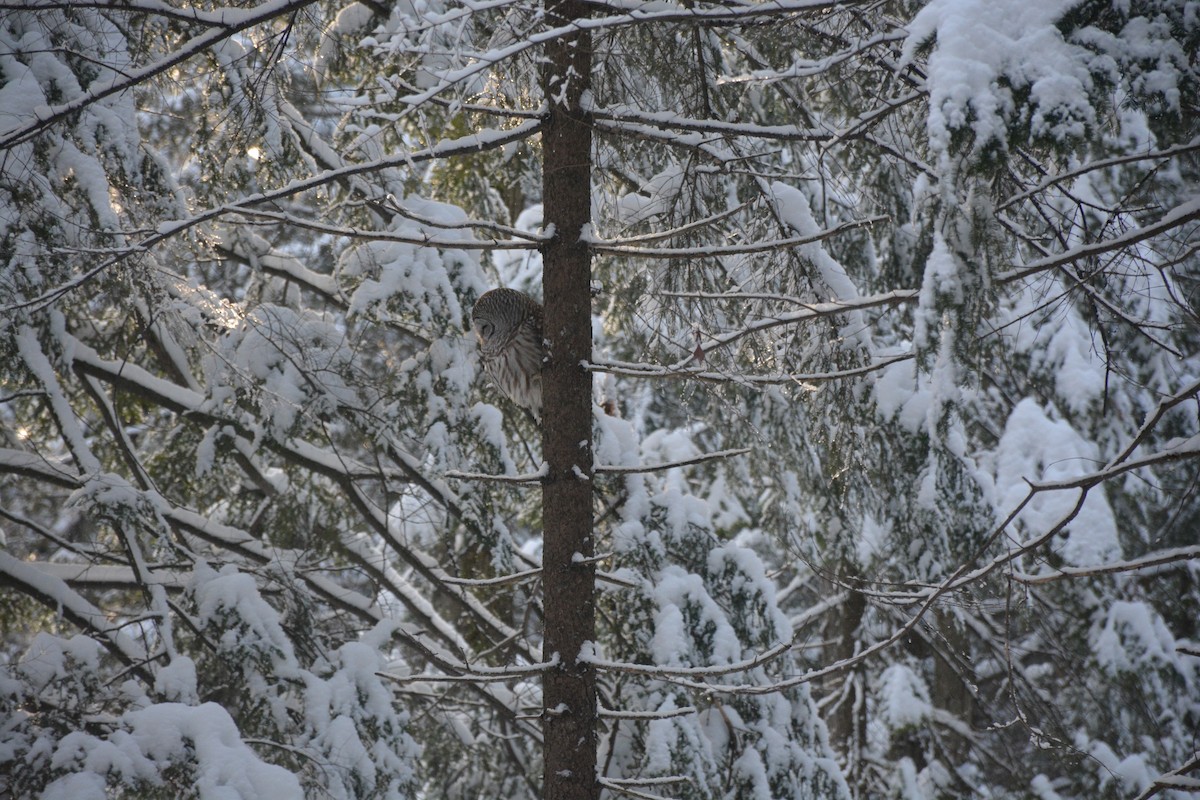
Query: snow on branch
point(682, 371)
point(33, 465)
point(613, 469)
point(659, 671)
point(503, 580)
point(54, 593)
point(334, 466)
point(427, 567)
point(232, 21)
point(810, 311)
point(928, 597)
point(234, 540)
point(410, 634)
point(405, 211)
point(682, 711)
point(640, 11)
point(479, 141)
point(111, 576)
point(370, 235)
point(1176, 217)
point(1176, 780)
point(690, 140)
point(529, 477)
point(191, 404)
point(1180, 449)
point(658, 236)
point(479, 673)
point(601, 246)
point(223, 17)
point(625, 785)
point(665, 780)
point(1099, 164)
point(805, 68)
point(869, 118)
point(290, 268)
point(1175, 450)
point(1152, 420)
point(1149, 564)
point(618, 115)
point(638, 14)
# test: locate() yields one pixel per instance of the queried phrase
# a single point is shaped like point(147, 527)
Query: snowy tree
point(870, 453)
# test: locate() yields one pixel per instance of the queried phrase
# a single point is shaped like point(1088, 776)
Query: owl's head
point(497, 316)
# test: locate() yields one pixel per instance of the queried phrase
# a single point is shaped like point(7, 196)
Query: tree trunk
point(847, 723)
point(569, 719)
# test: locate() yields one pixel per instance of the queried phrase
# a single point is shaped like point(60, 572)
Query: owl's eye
point(485, 328)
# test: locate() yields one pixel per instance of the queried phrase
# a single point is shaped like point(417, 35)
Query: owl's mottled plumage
point(508, 325)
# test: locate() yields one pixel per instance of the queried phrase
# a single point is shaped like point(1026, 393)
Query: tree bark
point(569, 692)
point(848, 723)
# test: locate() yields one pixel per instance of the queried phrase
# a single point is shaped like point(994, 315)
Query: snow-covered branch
point(1148, 564)
point(1176, 780)
point(111, 576)
point(1175, 218)
point(1176, 450)
point(703, 251)
point(52, 592)
point(640, 15)
point(225, 17)
point(478, 673)
point(626, 785)
point(228, 21)
point(615, 469)
point(529, 477)
point(682, 711)
point(40, 467)
point(810, 311)
point(476, 142)
point(1069, 175)
point(502, 580)
point(682, 371)
point(367, 235)
point(662, 671)
point(618, 116)
point(658, 236)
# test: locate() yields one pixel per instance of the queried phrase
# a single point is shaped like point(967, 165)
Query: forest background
point(877, 323)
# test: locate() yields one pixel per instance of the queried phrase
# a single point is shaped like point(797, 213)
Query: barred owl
point(508, 325)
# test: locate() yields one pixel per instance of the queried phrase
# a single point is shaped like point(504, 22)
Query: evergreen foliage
point(895, 368)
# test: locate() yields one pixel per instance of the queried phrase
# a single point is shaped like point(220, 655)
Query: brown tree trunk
point(847, 723)
point(569, 720)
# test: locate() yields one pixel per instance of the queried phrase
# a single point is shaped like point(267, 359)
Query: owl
point(508, 325)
